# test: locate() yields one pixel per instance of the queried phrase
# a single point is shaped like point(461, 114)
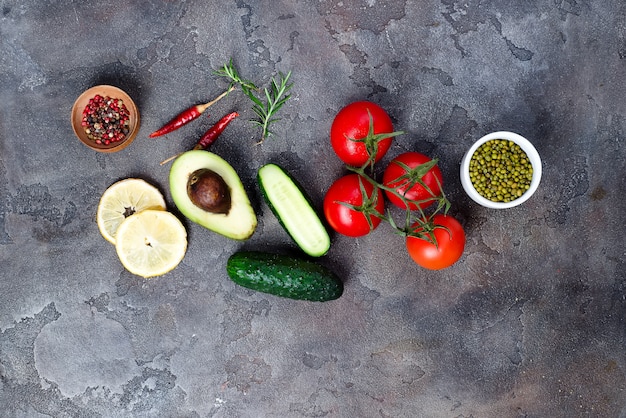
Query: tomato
point(421, 168)
point(353, 122)
point(346, 220)
point(449, 248)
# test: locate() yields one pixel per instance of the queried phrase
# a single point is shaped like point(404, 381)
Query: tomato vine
point(418, 222)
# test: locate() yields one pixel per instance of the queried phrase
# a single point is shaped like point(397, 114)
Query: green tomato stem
point(417, 223)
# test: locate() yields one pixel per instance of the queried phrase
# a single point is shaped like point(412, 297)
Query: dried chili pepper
point(187, 116)
point(181, 119)
point(211, 135)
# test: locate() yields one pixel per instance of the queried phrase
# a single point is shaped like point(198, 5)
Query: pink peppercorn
point(106, 120)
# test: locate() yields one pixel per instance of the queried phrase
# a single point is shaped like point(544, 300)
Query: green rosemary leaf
point(229, 71)
point(265, 109)
point(255, 100)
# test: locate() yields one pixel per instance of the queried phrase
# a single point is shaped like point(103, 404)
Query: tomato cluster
point(361, 134)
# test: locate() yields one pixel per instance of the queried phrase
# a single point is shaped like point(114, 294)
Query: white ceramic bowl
point(530, 151)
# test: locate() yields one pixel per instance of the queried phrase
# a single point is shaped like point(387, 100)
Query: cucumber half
point(293, 210)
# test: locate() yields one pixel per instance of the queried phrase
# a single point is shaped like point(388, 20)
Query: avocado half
point(239, 221)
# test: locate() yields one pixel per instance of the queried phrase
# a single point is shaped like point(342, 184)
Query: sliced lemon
point(151, 242)
point(121, 200)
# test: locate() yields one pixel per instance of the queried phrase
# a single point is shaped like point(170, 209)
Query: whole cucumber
point(285, 276)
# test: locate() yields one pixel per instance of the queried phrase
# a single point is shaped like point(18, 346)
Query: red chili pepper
point(211, 135)
point(181, 119)
point(187, 116)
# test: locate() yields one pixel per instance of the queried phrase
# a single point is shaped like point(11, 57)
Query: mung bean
point(500, 170)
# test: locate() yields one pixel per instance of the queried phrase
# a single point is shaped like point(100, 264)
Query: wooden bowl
point(115, 93)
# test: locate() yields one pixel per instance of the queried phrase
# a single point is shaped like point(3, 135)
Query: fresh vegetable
point(361, 133)
point(211, 135)
point(439, 244)
point(500, 170)
point(284, 276)
point(412, 181)
point(187, 116)
point(208, 191)
point(293, 209)
point(270, 101)
point(181, 119)
point(415, 177)
point(353, 206)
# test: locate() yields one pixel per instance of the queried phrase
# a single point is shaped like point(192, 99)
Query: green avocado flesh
point(284, 276)
point(239, 221)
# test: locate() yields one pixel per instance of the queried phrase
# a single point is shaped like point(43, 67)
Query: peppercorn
point(106, 120)
point(500, 170)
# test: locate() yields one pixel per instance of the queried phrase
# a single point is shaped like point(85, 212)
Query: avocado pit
point(209, 191)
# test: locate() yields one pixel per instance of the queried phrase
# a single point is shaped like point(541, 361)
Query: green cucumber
point(283, 275)
point(293, 209)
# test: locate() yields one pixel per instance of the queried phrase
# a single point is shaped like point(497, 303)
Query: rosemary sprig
point(229, 71)
point(276, 97)
point(264, 105)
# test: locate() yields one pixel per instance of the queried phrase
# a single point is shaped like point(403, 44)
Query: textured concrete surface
point(529, 323)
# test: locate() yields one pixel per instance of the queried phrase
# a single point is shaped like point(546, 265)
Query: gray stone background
point(529, 323)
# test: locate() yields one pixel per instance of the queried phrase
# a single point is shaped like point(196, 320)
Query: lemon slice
point(121, 200)
point(151, 242)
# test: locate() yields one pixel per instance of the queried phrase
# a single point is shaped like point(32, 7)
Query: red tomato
point(449, 248)
point(353, 122)
point(348, 221)
point(430, 177)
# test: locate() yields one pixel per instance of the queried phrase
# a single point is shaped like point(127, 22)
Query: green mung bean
point(500, 170)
